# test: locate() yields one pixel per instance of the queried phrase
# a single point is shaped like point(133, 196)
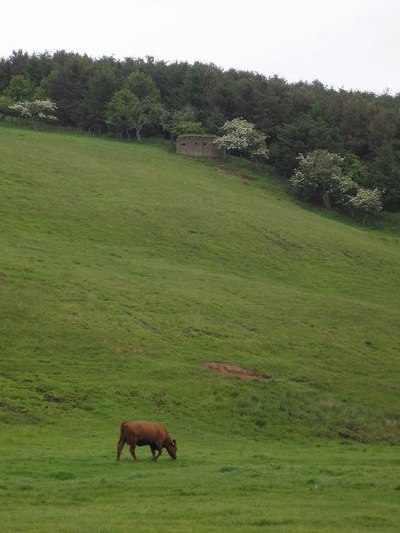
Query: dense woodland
point(296, 118)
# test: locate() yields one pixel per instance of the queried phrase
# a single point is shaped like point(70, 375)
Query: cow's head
point(172, 448)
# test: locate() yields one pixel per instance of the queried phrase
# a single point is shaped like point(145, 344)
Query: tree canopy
point(294, 118)
point(134, 106)
point(320, 174)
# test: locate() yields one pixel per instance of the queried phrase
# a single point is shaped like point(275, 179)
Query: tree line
point(149, 97)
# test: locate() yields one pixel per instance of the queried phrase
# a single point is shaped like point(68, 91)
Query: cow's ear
point(174, 442)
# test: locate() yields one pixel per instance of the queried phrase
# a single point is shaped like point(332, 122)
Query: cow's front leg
point(132, 450)
point(159, 450)
point(153, 451)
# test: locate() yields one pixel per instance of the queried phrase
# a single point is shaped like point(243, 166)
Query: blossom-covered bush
point(345, 192)
point(36, 110)
point(320, 174)
point(241, 136)
point(367, 202)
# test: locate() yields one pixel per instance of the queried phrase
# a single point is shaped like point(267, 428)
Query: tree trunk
point(326, 199)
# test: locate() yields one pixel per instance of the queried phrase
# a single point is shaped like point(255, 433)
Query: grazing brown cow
point(141, 433)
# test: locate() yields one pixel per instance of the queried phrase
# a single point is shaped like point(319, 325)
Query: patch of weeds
point(270, 522)
point(228, 469)
point(371, 520)
point(327, 417)
point(141, 475)
point(126, 394)
point(25, 487)
point(317, 487)
point(63, 476)
point(87, 407)
point(186, 492)
point(275, 466)
point(261, 456)
point(305, 380)
point(159, 400)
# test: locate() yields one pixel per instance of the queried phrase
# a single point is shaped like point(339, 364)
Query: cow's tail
point(121, 442)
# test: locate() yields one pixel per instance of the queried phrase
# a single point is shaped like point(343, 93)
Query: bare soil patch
point(245, 178)
point(235, 370)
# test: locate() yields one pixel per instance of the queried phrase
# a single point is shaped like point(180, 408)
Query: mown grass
point(124, 269)
point(243, 486)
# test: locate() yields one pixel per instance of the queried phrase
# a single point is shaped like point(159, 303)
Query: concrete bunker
point(199, 146)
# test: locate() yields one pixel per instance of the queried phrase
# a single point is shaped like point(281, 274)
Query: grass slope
point(124, 269)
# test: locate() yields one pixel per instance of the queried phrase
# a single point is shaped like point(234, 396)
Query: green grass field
point(124, 269)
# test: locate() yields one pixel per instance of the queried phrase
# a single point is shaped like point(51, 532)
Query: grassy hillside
point(124, 269)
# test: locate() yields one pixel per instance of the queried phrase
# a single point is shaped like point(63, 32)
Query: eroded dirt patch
point(236, 371)
point(245, 178)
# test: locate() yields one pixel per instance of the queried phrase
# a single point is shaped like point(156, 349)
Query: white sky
point(354, 44)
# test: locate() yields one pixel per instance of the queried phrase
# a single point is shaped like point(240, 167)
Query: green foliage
point(66, 85)
point(384, 173)
point(355, 168)
point(19, 88)
point(5, 103)
point(120, 112)
point(181, 122)
point(37, 67)
point(302, 135)
point(142, 86)
point(352, 114)
point(100, 89)
point(135, 106)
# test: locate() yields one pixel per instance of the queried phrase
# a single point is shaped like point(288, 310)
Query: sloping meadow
point(125, 268)
point(139, 284)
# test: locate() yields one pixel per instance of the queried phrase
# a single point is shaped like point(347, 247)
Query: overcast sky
point(354, 44)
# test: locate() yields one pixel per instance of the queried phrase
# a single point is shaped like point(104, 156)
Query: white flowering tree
point(367, 202)
point(38, 111)
point(344, 192)
point(241, 137)
point(320, 174)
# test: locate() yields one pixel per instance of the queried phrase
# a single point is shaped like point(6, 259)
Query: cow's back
point(143, 431)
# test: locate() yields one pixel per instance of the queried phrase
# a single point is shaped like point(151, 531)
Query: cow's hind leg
point(121, 444)
point(132, 450)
